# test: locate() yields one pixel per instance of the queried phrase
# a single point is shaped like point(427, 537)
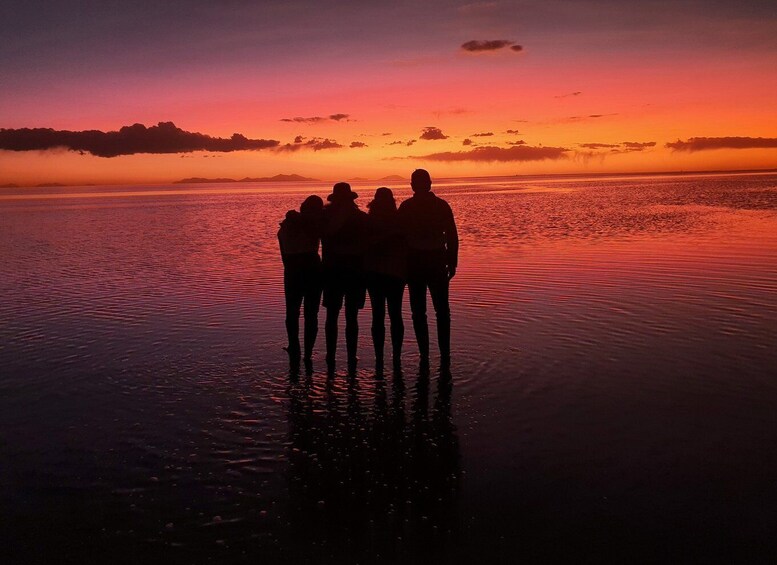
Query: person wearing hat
point(385, 269)
point(433, 250)
point(299, 237)
point(342, 250)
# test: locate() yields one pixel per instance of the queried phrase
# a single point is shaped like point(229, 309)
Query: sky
point(338, 90)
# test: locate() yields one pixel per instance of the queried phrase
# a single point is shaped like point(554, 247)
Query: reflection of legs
point(394, 299)
point(312, 301)
point(418, 308)
point(293, 303)
point(439, 291)
point(351, 329)
point(378, 303)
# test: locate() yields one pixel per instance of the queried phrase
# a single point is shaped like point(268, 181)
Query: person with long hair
point(385, 271)
point(299, 237)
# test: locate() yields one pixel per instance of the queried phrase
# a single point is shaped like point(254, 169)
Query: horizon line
point(55, 184)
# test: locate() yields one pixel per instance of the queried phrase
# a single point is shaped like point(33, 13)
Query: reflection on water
point(613, 382)
point(366, 476)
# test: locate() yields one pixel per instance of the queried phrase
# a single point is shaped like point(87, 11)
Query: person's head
point(421, 181)
point(342, 194)
point(311, 205)
point(383, 202)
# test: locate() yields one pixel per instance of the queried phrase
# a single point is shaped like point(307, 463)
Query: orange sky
point(587, 73)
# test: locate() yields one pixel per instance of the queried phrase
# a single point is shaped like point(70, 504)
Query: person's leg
point(293, 297)
point(438, 289)
point(333, 302)
point(394, 294)
point(417, 291)
point(377, 294)
point(312, 303)
point(351, 332)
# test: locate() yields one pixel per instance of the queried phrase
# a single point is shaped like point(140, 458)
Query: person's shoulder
point(441, 203)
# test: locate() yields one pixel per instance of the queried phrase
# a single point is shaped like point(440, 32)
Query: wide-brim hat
point(342, 191)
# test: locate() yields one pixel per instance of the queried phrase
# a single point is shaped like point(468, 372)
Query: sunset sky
point(336, 90)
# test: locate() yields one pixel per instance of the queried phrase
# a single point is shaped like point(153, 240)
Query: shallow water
point(612, 397)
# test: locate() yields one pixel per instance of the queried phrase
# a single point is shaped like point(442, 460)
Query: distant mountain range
point(276, 178)
point(393, 177)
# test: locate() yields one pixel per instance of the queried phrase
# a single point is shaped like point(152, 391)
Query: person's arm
point(451, 243)
point(280, 244)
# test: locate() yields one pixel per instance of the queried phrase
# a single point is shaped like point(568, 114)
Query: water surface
point(612, 397)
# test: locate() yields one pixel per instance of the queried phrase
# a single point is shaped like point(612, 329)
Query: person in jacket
point(433, 250)
point(385, 269)
point(342, 248)
point(299, 237)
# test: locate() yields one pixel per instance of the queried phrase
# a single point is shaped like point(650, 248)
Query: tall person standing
point(433, 252)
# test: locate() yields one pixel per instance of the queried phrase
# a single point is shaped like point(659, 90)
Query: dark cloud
point(431, 133)
point(492, 154)
point(355, 144)
point(467, 142)
point(632, 146)
point(707, 143)
point(519, 142)
point(577, 93)
point(164, 137)
point(397, 142)
point(513, 131)
point(314, 143)
point(411, 142)
point(479, 46)
point(317, 119)
point(485, 134)
point(386, 133)
point(598, 145)
point(638, 144)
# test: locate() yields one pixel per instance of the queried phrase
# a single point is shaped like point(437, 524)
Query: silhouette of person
point(342, 249)
point(299, 237)
point(433, 249)
point(385, 268)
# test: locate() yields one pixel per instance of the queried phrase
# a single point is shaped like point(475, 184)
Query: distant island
point(393, 177)
point(276, 178)
point(9, 185)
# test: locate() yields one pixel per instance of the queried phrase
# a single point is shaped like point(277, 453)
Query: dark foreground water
point(614, 390)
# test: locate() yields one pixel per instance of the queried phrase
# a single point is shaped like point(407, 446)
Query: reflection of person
point(385, 269)
point(299, 239)
point(433, 248)
point(366, 476)
point(342, 249)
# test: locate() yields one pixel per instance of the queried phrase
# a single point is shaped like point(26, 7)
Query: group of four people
point(379, 252)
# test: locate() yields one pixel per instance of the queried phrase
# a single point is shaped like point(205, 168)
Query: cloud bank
point(707, 143)
point(317, 119)
point(164, 137)
point(500, 154)
point(314, 143)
